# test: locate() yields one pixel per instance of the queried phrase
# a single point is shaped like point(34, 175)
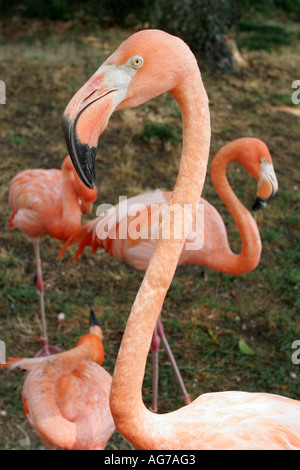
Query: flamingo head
point(93, 340)
point(86, 196)
point(146, 65)
point(267, 185)
point(95, 325)
point(254, 155)
point(86, 200)
point(260, 166)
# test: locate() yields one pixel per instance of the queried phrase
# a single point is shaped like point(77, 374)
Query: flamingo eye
point(136, 62)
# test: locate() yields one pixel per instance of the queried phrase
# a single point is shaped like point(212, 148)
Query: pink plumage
point(144, 66)
point(48, 202)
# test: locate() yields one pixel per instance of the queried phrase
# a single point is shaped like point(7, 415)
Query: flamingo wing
point(34, 196)
point(110, 230)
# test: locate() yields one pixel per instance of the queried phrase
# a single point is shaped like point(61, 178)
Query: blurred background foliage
point(203, 24)
point(126, 12)
point(48, 49)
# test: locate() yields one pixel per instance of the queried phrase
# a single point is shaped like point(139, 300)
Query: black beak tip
point(66, 127)
point(259, 204)
point(93, 319)
point(82, 155)
point(85, 167)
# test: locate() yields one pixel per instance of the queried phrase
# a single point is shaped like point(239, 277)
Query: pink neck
point(71, 214)
point(250, 253)
point(126, 397)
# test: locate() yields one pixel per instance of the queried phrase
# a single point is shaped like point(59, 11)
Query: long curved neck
point(126, 402)
point(71, 208)
point(71, 211)
point(250, 253)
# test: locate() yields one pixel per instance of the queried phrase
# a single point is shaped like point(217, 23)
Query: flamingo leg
point(46, 349)
point(155, 369)
point(40, 286)
point(160, 331)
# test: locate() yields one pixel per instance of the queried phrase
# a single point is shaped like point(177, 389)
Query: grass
point(164, 132)
point(267, 35)
point(205, 314)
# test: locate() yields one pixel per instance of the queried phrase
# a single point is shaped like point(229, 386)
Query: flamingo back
point(35, 196)
point(83, 398)
point(231, 420)
point(129, 230)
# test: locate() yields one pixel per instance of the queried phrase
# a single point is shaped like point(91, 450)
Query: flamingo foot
point(48, 350)
point(186, 399)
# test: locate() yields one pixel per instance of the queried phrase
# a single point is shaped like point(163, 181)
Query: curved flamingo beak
point(87, 115)
point(267, 186)
point(95, 325)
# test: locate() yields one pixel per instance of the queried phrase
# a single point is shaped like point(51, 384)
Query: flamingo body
point(66, 396)
point(48, 202)
point(224, 420)
point(207, 242)
point(82, 398)
point(35, 199)
point(38, 198)
point(138, 252)
point(230, 420)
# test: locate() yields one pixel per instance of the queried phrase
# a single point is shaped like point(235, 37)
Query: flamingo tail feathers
point(83, 237)
point(23, 363)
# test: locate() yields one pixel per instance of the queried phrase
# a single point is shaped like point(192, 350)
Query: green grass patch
point(164, 132)
point(266, 36)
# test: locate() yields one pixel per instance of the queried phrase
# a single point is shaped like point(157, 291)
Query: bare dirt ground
point(205, 313)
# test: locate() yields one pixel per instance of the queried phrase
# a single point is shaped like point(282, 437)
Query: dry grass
point(205, 313)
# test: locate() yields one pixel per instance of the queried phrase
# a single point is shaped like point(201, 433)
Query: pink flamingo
point(66, 395)
point(212, 250)
point(147, 64)
point(48, 202)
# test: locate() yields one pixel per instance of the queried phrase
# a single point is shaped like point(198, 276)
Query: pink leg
point(46, 349)
point(155, 369)
point(160, 331)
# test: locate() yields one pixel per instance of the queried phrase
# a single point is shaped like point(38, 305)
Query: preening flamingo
point(48, 202)
point(111, 230)
point(66, 395)
point(144, 66)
